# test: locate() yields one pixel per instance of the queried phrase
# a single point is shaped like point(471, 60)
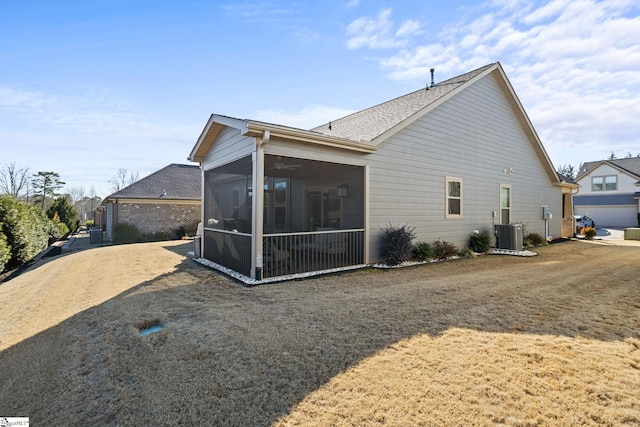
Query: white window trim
point(604, 182)
point(500, 202)
point(447, 180)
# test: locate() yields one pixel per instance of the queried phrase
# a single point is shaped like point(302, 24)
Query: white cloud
point(95, 111)
point(378, 32)
point(408, 28)
point(307, 118)
point(573, 63)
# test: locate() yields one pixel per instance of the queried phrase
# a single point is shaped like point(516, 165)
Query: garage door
point(610, 216)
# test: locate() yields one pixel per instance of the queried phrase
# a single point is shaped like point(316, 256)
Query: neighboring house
point(159, 203)
point(449, 159)
point(610, 192)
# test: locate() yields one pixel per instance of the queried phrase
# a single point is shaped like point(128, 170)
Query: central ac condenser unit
point(509, 236)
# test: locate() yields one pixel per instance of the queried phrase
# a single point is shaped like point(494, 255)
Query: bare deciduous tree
point(77, 194)
point(123, 179)
point(13, 180)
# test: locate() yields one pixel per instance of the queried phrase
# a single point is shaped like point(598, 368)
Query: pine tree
point(46, 185)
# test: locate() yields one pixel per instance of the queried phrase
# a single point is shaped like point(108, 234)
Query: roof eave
point(160, 200)
point(256, 129)
point(210, 132)
point(608, 163)
point(566, 184)
point(299, 135)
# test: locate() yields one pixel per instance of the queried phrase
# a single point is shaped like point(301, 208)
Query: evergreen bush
point(396, 243)
point(466, 253)
point(5, 250)
point(532, 240)
point(62, 227)
point(480, 243)
point(26, 228)
point(126, 233)
point(67, 214)
point(422, 251)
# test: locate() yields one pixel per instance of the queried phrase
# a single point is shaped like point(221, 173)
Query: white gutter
point(258, 128)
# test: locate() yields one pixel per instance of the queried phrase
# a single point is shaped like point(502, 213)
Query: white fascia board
point(240, 124)
point(216, 121)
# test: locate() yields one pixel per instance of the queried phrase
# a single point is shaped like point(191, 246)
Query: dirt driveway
point(547, 340)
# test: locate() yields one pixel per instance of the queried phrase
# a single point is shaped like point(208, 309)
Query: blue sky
point(88, 87)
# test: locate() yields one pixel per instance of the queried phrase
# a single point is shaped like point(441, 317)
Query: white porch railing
point(294, 253)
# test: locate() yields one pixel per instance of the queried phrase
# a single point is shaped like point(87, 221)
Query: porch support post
point(366, 214)
point(202, 221)
point(257, 208)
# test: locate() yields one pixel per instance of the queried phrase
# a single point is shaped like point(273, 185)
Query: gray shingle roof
point(566, 178)
point(175, 181)
point(631, 165)
point(372, 122)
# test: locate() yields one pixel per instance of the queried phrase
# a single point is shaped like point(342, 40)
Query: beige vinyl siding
point(474, 136)
point(229, 146)
point(313, 152)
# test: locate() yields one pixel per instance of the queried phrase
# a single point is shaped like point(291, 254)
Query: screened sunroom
point(310, 216)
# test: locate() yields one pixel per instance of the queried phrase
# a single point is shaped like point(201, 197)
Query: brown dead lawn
point(496, 340)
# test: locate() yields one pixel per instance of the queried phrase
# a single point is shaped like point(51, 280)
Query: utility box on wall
point(545, 213)
point(509, 236)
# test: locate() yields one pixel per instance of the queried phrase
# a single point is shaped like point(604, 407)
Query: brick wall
point(154, 218)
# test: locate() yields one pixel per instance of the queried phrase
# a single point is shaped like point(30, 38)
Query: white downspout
point(257, 206)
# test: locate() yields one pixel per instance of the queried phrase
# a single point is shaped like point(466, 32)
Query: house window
point(611, 182)
point(453, 193)
point(323, 208)
point(604, 183)
point(505, 204)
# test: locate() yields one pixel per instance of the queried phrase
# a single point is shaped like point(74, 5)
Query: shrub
point(422, 251)
point(158, 236)
point(63, 230)
point(186, 230)
point(534, 239)
point(126, 233)
point(5, 250)
point(481, 242)
point(589, 233)
point(443, 250)
point(466, 253)
point(396, 243)
point(26, 228)
point(67, 214)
